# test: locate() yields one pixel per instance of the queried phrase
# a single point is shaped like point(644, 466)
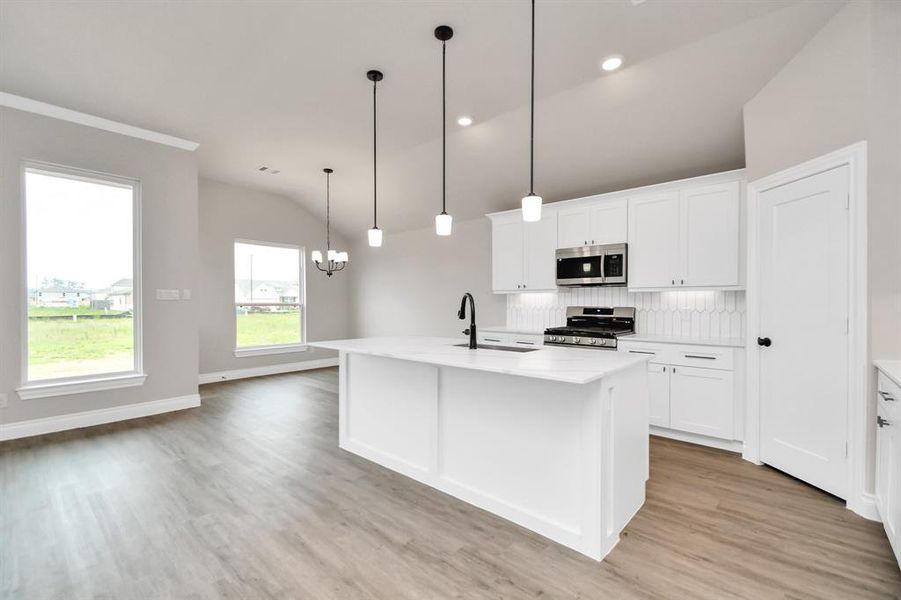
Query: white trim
point(100, 416)
point(64, 114)
point(31, 391)
point(78, 174)
point(855, 157)
point(307, 365)
point(700, 440)
point(267, 350)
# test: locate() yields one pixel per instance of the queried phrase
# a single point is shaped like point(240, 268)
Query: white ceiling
point(283, 84)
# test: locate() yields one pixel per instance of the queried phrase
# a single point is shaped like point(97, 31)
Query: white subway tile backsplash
point(677, 313)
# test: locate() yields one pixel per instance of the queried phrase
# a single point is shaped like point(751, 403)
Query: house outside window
point(269, 298)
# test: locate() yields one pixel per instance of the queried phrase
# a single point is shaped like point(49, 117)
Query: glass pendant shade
point(375, 237)
point(531, 208)
point(443, 224)
point(332, 255)
point(342, 257)
point(316, 255)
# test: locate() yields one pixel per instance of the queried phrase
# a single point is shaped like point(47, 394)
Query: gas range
point(592, 327)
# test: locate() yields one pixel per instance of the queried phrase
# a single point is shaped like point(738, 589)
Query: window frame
point(268, 349)
point(41, 388)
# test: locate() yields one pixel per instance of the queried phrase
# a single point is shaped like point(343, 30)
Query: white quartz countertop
point(566, 365)
point(668, 339)
point(891, 368)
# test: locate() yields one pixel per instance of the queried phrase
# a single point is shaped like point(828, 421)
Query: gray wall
point(169, 199)
point(412, 285)
point(842, 87)
point(228, 212)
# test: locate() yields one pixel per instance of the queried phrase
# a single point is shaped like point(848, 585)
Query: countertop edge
point(502, 371)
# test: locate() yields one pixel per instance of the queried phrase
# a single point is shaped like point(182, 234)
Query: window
point(268, 298)
point(83, 309)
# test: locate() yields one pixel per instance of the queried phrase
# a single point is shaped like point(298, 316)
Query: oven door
point(580, 266)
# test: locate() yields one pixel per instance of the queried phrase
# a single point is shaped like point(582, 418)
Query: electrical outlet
point(186, 294)
point(4, 400)
point(167, 294)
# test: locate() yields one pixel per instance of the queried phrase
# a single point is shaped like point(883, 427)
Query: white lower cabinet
point(701, 401)
point(888, 460)
point(693, 390)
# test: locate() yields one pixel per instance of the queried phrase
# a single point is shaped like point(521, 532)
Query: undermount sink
point(493, 347)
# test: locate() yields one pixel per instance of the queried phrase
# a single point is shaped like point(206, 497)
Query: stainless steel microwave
point(592, 265)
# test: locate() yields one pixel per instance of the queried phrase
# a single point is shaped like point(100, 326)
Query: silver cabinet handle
point(491, 339)
point(886, 396)
point(699, 356)
point(642, 352)
point(526, 343)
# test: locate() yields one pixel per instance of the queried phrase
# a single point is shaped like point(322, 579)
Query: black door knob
point(765, 342)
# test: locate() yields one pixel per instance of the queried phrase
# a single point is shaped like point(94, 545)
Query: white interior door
point(804, 314)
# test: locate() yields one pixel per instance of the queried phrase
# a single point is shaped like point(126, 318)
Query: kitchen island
point(555, 439)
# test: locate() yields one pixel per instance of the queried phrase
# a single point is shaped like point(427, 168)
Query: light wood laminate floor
point(250, 497)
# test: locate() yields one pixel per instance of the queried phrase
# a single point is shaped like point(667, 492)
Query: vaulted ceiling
point(283, 84)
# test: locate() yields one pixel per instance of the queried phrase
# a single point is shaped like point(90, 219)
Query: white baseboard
point(865, 506)
point(89, 418)
point(267, 370)
point(693, 438)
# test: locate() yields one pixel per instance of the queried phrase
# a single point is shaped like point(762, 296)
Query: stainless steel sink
point(503, 348)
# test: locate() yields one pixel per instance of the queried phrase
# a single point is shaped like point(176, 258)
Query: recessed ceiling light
point(464, 121)
point(612, 63)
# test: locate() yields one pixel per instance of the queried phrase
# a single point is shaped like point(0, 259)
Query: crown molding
point(73, 116)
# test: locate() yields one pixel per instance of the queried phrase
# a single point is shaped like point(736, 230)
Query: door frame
point(855, 157)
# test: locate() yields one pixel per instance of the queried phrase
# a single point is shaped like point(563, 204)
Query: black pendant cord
point(443, 129)
point(374, 162)
point(532, 113)
point(328, 217)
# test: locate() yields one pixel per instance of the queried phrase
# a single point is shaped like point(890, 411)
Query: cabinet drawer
point(888, 396)
point(657, 353)
point(703, 357)
point(510, 339)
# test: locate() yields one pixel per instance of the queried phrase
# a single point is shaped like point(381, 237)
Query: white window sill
point(31, 391)
point(267, 350)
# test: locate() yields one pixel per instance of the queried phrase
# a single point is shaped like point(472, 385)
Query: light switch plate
point(167, 294)
point(186, 294)
point(4, 400)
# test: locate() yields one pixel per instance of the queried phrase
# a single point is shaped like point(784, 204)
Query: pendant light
point(531, 204)
point(443, 222)
point(375, 234)
point(334, 261)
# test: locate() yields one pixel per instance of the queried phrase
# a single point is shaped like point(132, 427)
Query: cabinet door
point(701, 401)
point(658, 390)
point(654, 240)
point(607, 222)
point(893, 522)
point(710, 235)
point(507, 256)
point(540, 259)
point(572, 227)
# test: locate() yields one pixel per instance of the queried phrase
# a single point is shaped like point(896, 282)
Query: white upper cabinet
point(710, 235)
point(592, 222)
point(654, 243)
point(681, 234)
point(507, 259)
point(540, 253)
point(686, 238)
point(523, 253)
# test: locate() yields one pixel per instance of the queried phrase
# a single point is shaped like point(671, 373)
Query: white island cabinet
point(555, 440)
